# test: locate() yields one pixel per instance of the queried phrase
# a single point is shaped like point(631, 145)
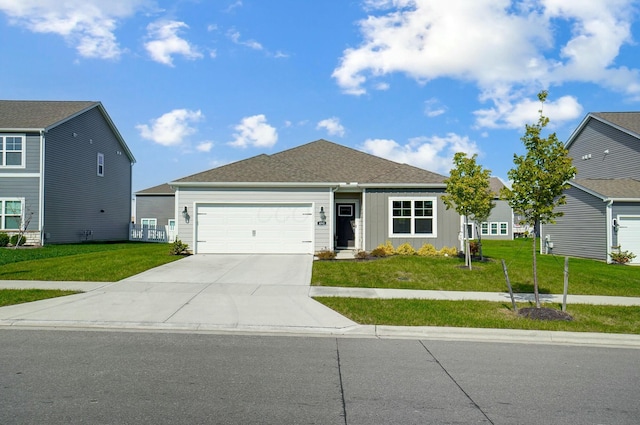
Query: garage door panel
point(629, 236)
point(270, 228)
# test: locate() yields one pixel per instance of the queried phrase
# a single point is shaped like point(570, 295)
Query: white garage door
point(254, 229)
point(629, 236)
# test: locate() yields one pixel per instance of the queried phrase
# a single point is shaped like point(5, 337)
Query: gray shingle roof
point(32, 114)
point(612, 188)
point(627, 120)
point(162, 189)
point(317, 162)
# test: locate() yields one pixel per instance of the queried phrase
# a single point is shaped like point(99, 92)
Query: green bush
point(326, 255)
point(14, 240)
point(179, 248)
point(379, 252)
point(4, 239)
point(622, 257)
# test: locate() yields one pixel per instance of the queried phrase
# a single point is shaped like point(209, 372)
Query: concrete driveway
point(205, 292)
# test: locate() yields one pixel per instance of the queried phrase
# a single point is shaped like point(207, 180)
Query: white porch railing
point(151, 233)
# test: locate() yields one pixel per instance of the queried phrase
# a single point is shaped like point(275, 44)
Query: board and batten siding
point(318, 197)
point(160, 207)
point(582, 230)
point(622, 158)
point(76, 198)
point(376, 220)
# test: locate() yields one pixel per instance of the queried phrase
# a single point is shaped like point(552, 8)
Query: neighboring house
point(603, 202)
point(315, 197)
point(155, 209)
point(65, 169)
point(500, 224)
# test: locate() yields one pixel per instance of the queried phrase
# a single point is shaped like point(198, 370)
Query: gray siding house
point(65, 169)
point(315, 197)
point(602, 213)
point(499, 224)
point(155, 206)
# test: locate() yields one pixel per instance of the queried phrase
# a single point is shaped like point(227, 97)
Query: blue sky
point(193, 85)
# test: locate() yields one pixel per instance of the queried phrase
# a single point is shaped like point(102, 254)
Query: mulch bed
point(544, 314)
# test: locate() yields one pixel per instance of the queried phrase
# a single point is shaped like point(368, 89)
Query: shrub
point(448, 251)
point(179, 248)
point(405, 249)
point(622, 257)
point(388, 248)
point(474, 247)
point(17, 240)
point(379, 252)
point(4, 239)
point(326, 255)
point(427, 250)
point(361, 255)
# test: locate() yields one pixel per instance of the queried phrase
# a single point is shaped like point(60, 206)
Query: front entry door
point(345, 224)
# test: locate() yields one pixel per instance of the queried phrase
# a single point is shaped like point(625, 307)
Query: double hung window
point(12, 150)
point(412, 217)
point(11, 214)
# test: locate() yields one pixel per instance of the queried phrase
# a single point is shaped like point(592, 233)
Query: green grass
point(19, 296)
point(482, 314)
point(587, 277)
point(92, 262)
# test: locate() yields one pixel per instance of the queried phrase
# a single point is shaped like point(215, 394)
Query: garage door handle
point(306, 241)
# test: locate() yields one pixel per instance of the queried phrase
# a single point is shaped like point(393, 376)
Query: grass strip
point(482, 314)
point(19, 296)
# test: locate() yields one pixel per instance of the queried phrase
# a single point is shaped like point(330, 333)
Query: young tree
point(538, 180)
point(468, 193)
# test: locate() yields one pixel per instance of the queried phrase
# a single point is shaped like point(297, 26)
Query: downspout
point(41, 190)
point(363, 211)
point(609, 220)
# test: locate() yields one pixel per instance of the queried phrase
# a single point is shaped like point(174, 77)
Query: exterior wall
point(622, 161)
point(320, 197)
point(501, 213)
point(376, 220)
point(582, 231)
point(76, 199)
point(160, 207)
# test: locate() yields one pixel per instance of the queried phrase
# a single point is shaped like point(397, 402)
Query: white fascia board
point(589, 191)
point(21, 130)
point(249, 184)
point(623, 199)
point(404, 185)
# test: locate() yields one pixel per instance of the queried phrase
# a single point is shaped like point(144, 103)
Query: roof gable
point(162, 189)
point(317, 162)
point(628, 122)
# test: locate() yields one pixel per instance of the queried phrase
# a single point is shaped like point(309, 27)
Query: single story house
point(315, 197)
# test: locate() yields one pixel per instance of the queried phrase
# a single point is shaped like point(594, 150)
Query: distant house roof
point(610, 188)
point(628, 122)
point(317, 162)
point(162, 189)
point(43, 115)
point(495, 185)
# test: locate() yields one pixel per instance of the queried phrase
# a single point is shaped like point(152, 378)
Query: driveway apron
point(198, 292)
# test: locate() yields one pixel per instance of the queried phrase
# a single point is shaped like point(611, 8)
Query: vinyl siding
point(76, 198)
point(501, 213)
point(32, 155)
point(189, 197)
point(376, 220)
point(160, 207)
point(582, 231)
point(23, 187)
point(622, 161)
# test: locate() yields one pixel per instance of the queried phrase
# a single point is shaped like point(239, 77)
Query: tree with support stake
point(538, 180)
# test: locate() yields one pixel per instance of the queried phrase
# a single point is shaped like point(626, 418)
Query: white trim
point(100, 164)
point(340, 185)
point(19, 175)
point(23, 151)
point(363, 214)
point(357, 218)
point(609, 218)
point(41, 189)
point(412, 234)
point(2, 212)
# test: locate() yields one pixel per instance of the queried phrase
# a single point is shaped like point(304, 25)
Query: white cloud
point(172, 128)
point(88, 25)
point(252, 44)
point(505, 47)
point(332, 125)
point(430, 153)
point(254, 131)
point(433, 108)
point(165, 42)
point(204, 146)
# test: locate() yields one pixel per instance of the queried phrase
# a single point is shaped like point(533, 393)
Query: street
point(105, 377)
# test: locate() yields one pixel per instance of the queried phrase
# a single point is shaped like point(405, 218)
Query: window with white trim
point(151, 223)
point(12, 151)
point(494, 228)
point(412, 217)
point(11, 213)
point(101, 164)
point(504, 229)
point(484, 228)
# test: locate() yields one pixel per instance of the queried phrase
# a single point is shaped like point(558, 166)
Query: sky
point(195, 84)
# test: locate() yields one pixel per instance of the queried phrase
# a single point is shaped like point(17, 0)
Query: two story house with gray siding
point(65, 170)
point(314, 197)
point(155, 207)
point(602, 213)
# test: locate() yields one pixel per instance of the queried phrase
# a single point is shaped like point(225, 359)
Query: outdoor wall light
point(185, 215)
point(323, 216)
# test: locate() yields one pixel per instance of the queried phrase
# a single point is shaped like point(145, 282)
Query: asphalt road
point(100, 377)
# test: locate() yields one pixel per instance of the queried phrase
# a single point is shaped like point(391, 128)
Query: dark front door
point(345, 223)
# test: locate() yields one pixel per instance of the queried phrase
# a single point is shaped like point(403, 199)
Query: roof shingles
point(34, 114)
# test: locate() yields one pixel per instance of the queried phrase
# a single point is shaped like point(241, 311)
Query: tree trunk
point(479, 232)
point(535, 267)
point(467, 248)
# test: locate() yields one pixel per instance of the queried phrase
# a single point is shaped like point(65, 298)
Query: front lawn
point(19, 296)
point(91, 262)
point(587, 277)
point(482, 314)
